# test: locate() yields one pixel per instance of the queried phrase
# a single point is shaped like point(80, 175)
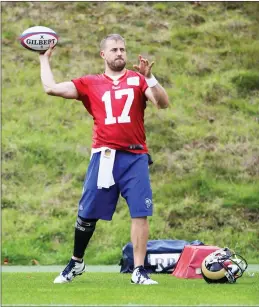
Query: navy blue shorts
point(131, 176)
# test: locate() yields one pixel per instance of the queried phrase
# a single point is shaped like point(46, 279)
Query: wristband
point(151, 82)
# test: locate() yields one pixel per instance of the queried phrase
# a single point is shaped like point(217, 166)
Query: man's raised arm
point(155, 92)
point(63, 89)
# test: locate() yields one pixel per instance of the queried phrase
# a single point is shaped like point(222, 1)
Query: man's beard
point(117, 65)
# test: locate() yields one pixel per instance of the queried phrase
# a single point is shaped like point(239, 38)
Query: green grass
point(115, 289)
point(205, 175)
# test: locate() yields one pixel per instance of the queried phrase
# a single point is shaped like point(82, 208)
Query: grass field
point(115, 289)
point(205, 146)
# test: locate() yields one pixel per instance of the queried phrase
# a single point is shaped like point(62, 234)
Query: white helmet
point(223, 266)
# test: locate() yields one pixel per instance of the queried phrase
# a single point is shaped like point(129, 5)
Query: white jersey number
point(124, 117)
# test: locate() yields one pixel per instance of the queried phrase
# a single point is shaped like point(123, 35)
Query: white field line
point(57, 268)
point(252, 268)
point(128, 305)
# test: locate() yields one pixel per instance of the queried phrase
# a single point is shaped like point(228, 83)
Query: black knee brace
point(85, 225)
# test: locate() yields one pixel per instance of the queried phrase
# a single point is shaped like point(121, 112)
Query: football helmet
point(223, 266)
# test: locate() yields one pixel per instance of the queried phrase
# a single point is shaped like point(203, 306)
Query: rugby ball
point(38, 38)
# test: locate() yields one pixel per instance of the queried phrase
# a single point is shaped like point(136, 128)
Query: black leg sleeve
point(84, 229)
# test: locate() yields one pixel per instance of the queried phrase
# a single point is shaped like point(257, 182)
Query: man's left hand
point(144, 67)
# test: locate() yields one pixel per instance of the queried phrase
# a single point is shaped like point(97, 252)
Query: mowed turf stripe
point(114, 289)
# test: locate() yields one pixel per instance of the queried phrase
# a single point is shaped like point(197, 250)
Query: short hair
point(114, 37)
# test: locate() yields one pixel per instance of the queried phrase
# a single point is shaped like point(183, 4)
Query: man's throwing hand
point(48, 53)
point(144, 67)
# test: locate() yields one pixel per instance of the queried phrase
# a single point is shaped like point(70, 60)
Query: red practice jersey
point(117, 108)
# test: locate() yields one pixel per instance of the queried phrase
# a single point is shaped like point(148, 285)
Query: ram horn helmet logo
point(148, 202)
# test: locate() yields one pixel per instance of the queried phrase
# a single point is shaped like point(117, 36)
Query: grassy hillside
point(205, 146)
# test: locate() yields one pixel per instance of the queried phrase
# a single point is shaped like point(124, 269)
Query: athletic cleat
point(140, 276)
point(73, 269)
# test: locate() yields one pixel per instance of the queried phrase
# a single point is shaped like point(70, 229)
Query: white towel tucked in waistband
point(105, 177)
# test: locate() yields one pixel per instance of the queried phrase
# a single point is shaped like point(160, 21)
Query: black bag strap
point(167, 268)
